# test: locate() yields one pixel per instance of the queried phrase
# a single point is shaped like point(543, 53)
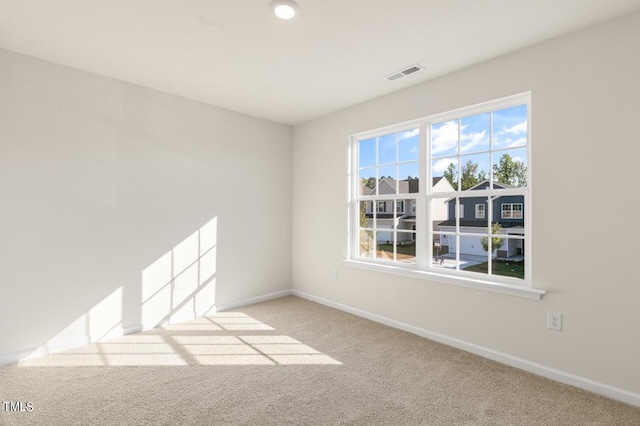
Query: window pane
point(365, 248)
point(510, 167)
point(367, 153)
point(406, 247)
point(387, 149)
point(510, 127)
point(445, 174)
point(385, 249)
point(473, 257)
point(442, 213)
point(384, 217)
point(475, 169)
point(509, 257)
point(442, 257)
point(444, 139)
point(409, 171)
point(367, 180)
point(408, 145)
point(387, 180)
point(474, 133)
point(366, 214)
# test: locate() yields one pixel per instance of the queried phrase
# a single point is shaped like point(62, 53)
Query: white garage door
point(471, 245)
point(468, 245)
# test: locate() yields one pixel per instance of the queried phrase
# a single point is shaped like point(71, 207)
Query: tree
point(451, 174)
point(364, 223)
point(496, 242)
point(510, 171)
point(470, 175)
point(369, 183)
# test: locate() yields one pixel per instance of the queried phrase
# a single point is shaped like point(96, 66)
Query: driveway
point(466, 260)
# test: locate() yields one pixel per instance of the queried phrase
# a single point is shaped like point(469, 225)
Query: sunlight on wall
point(103, 320)
point(208, 341)
point(181, 283)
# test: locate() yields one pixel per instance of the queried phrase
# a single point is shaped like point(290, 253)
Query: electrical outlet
point(334, 274)
point(554, 321)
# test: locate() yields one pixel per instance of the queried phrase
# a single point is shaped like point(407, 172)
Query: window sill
point(513, 290)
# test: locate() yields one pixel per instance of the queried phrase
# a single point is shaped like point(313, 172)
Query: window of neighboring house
point(512, 211)
point(479, 152)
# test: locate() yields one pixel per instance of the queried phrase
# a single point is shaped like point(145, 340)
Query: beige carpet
point(290, 361)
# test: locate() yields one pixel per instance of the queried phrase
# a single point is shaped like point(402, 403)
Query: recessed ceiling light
point(284, 9)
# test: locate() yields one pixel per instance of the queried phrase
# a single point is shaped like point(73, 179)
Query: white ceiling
point(235, 54)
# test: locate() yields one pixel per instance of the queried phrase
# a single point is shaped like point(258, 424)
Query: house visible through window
point(473, 159)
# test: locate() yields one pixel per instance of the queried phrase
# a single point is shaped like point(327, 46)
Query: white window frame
point(481, 213)
point(459, 213)
point(384, 206)
point(424, 267)
point(511, 210)
point(400, 206)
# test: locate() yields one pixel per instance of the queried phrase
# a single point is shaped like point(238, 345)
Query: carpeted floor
point(289, 362)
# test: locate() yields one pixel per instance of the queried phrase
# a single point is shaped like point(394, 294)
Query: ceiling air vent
point(403, 73)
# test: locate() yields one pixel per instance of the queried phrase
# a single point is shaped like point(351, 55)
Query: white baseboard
point(65, 345)
point(52, 348)
point(532, 367)
point(252, 300)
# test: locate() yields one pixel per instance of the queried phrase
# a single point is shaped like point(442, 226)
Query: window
point(512, 211)
point(475, 156)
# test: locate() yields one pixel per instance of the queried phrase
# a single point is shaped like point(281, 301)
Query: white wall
point(585, 112)
point(100, 179)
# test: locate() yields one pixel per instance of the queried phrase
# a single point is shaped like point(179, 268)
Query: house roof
point(500, 184)
point(405, 186)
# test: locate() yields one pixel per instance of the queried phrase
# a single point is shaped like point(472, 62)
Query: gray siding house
point(405, 209)
point(508, 211)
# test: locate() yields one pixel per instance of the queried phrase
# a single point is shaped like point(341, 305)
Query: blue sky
point(509, 133)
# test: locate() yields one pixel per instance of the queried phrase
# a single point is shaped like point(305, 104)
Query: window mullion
point(423, 214)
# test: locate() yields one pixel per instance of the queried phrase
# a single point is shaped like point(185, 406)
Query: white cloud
point(409, 134)
point(516, 129)
point(474, 138)
point(516, 143)
point(442, 164)
point(445, 137)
